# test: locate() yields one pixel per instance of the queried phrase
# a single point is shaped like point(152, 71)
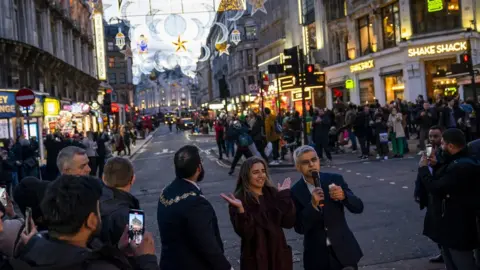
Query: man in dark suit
point(186, 220)
point(328, 241)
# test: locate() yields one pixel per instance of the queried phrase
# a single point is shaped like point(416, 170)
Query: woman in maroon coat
point(258, 212)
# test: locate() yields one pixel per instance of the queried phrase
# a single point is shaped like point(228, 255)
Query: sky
point(157, 24)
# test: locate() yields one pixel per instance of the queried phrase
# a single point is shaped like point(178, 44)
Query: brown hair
point(242, 190)
point(118, 172)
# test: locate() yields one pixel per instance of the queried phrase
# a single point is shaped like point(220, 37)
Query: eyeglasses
point(307, 162)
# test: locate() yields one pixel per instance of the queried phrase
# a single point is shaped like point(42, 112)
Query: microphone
point(316, 181)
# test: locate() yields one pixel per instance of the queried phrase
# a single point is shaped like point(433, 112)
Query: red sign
point(115, 107)
point(25, 97)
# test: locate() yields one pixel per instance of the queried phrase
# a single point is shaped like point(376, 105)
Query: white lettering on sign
point(438, 49)
point(100, 46)
point(3, 99)
point(30, 97)
point(362, 66)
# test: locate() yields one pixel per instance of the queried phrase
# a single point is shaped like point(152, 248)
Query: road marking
point(358, 173)
point(392, 183)
point(340, 169)
point(404, 187)
point(223, 164)
point(165, 150)
point(349, 170)
point(368, 176)
point(381, 179)
point(367, 162)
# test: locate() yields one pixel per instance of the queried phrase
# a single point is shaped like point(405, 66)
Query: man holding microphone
point(320, 199)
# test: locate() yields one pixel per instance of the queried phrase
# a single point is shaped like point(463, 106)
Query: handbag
point(30, 162)
point(383, 137)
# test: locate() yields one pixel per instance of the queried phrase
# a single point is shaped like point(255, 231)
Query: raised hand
point(285, 185)
point(233, 201)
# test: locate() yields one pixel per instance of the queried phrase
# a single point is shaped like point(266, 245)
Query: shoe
point(437, 259)
point(273, 163)
point(365, 157)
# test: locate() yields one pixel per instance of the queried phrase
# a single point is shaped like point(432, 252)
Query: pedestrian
point(71, 210)
point(243, 140)
point(320, 129)
point(116, 200)
point(73, 160)
point(397, 133)
point(320, 203)
point(255, 199)
point(187, 221)
point(91, 149)
point(219, 136)
point(103, 151)
point(53, 144)
point(273, 131)
point(452, 208)
point(425, 120)
point(127, 140)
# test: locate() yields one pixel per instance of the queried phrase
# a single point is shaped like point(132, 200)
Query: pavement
point(389, 231)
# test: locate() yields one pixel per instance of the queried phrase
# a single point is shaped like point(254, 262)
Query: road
point(389, 230)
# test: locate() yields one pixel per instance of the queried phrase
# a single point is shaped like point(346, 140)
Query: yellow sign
point(298, 95)
point(456, 46)
point(349, 84)
point(362, 66)
point(435, 5)
point(51, 106)
point(100, 46)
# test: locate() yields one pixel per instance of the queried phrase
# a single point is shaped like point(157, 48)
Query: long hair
point(242, 190)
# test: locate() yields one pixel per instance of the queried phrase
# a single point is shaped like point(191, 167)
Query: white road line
point(165, 150)
point(349, 170)
point(340, 169)
point(368, 176)
point(223, 164)
point(358, 173)
point(404, 187)
point(381, 179)
point(392, 183)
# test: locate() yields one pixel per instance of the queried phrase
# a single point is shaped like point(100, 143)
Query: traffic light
point(310, 77)
point(290, 57)
point(466, 60)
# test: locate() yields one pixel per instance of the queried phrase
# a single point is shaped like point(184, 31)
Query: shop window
point(438, 84)
point(340, 94)
point(122, 79)
point(391, 25)
point(365, 33)
point(446, 17)
point(394, 87)
point(112, 78)
point(111, 62)
point(251, 32)
point(367, 92)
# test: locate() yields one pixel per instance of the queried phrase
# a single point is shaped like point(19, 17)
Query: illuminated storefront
point(7, 114)
point(75, 118)
point(51, 108)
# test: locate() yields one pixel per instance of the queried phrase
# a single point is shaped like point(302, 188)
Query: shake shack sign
point(441, 48)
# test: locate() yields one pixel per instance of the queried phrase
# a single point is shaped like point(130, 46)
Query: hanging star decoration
point(180, 44)
point(231, 5)
point(258, 5)
point(127, 52)
point(222, 48)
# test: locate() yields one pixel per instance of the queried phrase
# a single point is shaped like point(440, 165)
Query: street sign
point(25, 97)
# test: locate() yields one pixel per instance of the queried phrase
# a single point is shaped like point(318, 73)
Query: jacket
point(270, 122)
point(395, 123)
point(189, 230)
point(320, 130)
point(452, 208)
point(114, 207)
point(329, 221)
point(260, 227)
point(45, 253)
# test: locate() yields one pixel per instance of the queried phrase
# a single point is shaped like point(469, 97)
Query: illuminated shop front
point(51, 109)
point(8, 124)
point(291, 95)
point(75, 118)
point(35, 113)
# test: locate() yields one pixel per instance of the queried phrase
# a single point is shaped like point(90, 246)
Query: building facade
point(397, 49)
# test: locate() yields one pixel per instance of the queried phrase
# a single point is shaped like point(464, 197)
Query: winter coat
point(395, 123)
point(270, 122)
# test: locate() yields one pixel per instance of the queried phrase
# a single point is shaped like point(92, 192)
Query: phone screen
point(28, 217)
point(3, 196)
point(429, 150)
point(136, 226)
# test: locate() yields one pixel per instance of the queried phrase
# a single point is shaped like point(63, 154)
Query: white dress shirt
point(311, 188)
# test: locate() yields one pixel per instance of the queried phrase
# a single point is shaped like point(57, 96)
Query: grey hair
point(302, 150)
point(66, 155)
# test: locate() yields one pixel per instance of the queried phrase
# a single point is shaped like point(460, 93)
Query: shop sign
point(115, 108)
point(7, 104)
point(100, 45)
point(349, 84)
point(36, 110)
point(51, 106)
point(362, 66)
point(95, 106)
point(456, 46)
point(78, 108)
point(434, 5)
point(298, 95)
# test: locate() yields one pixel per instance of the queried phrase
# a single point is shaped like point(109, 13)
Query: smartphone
point(3, 196)
point(28, 219)
point(136, 226)
point(429, 149)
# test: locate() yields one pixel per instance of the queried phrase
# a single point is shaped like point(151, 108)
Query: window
point(308, 11)
point(337, 9)
point(448, 18)
point(391, 25)
point(250, 58)
point(251, 80)
point(251, 32)
point(365, 32)
point(39, 29)
point(122, 78)
point(111, 48)
point(367, 92)
point(54, 36)
point(394, 87)
point(111, 62)
point(112, 78)
point(119, 63)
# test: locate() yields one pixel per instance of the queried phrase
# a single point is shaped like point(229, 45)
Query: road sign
point(25, 97)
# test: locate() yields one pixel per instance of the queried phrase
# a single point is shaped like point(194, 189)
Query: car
point(187, 123)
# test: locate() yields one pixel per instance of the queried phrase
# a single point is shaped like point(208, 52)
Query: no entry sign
point(25, 97)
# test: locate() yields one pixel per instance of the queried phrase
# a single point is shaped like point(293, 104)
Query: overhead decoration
point(120, 39)
point(224, 29)
point(235, 37)
point(237, 15)
point(206, 55)
point(231, 5)
point(180, 44)
point(175, 25)
point(258, 5)
point(142, 44)
point(222, 48)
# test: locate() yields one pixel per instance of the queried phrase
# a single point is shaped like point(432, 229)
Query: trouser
point(92, 163)
point(458, 259)
point(261, 148)
point(423, 136)
point(127, 149)
point(335, 264)
point(353, 139)
point(397, 144)
point(364, 145)
point(319, 148)
point(382, 148)
point(276, 149)
point(101, 165)
point(240, 152)
point(221, 148)
point(230, 148)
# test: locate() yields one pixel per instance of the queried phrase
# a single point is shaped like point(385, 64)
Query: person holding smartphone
point(320, 201)
point(259, 212)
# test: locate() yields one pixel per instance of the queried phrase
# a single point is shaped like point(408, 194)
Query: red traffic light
point(465, 58)
point(310, 68)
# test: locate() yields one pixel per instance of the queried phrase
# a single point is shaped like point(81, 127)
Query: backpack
point(243, 140)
